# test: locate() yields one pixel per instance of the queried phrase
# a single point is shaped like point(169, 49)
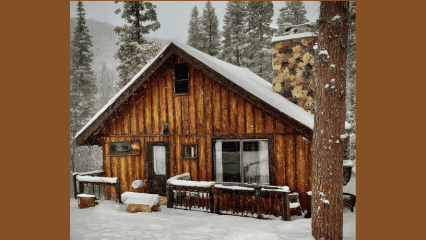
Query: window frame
point(271, 152)
point(174, 81)
point(133, 152)
point(182, 152)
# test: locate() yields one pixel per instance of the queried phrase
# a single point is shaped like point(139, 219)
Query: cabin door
point(158, 167)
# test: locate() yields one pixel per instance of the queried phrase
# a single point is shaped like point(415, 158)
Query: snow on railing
point(94, 172)
point(96, 179)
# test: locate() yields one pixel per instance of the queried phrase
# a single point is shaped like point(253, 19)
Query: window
point(159, 156)
point(125, 148)
point(245, 161)
point(189, 151)
point(181, 79)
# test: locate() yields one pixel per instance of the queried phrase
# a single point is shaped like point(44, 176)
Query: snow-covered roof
point(293, 36)
point(242, 77)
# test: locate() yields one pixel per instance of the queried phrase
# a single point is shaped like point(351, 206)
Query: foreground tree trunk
point(330, 92)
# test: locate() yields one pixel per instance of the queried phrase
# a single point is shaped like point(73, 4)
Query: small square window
point(181, 79)
point(189, 151)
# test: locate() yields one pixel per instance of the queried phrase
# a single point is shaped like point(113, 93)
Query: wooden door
point(158, 167)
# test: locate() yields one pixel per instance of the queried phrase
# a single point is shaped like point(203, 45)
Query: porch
point(238, 199)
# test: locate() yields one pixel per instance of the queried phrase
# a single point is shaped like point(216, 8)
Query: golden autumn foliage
point(292, 71)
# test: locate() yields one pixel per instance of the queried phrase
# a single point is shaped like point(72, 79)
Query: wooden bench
point(101, 181)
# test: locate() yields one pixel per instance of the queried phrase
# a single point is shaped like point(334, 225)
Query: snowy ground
point(109, 220)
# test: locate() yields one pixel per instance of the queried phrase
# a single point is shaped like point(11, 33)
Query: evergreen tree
point(259, 35)
point(294, 13)
point(234, 33)
point(82, 80)
point(194, 32)
point(135, 51)
point(105, 84)
point(210, 37)
point(329, 122)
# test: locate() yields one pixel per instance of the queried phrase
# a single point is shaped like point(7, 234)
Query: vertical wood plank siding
point(209, 111)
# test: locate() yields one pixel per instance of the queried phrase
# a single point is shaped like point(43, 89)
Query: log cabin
point(186, 111)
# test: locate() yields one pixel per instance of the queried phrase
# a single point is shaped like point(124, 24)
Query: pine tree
point(105, 84)
point(210, 37)
point(329, 122)
point(194, 32)
point(259, 35)
point(82, 80)
point(234, 33)
point(294, 13)
point(135, 51)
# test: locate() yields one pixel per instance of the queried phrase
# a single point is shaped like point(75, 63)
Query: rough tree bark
point(330, 93)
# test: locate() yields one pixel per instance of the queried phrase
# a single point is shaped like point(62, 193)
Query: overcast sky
point(174, 16)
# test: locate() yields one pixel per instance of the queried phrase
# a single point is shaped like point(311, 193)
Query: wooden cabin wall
point(209, 112)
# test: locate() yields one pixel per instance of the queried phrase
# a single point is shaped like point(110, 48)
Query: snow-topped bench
point(85, 178)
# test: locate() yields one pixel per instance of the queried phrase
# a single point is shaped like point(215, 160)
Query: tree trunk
point(330, 93)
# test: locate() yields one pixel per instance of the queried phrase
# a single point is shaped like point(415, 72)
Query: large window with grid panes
point(242, 160)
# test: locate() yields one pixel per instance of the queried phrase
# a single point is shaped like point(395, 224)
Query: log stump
point(86, 200)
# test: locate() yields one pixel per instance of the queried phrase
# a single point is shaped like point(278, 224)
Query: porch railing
point(248, 200)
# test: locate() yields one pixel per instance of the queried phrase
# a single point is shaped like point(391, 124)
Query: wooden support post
point(211, 199)
point(74, 179)
point(286, 206)
point(80, 187)
point(216, 201)
point(169, 195)
point(118, 191)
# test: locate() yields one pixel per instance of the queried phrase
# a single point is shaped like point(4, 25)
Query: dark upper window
point(181, 72)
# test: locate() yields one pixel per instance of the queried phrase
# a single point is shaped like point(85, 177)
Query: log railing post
point(118, 191)
point(74, 179)
point(286, 206)
point(211, 198)
point(169, 195)
point(216, 201)
point(80, 187)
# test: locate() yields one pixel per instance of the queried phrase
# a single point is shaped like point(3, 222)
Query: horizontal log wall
point(208, 112)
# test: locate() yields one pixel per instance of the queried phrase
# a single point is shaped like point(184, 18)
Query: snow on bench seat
point(96, 179)
point(83, 195)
